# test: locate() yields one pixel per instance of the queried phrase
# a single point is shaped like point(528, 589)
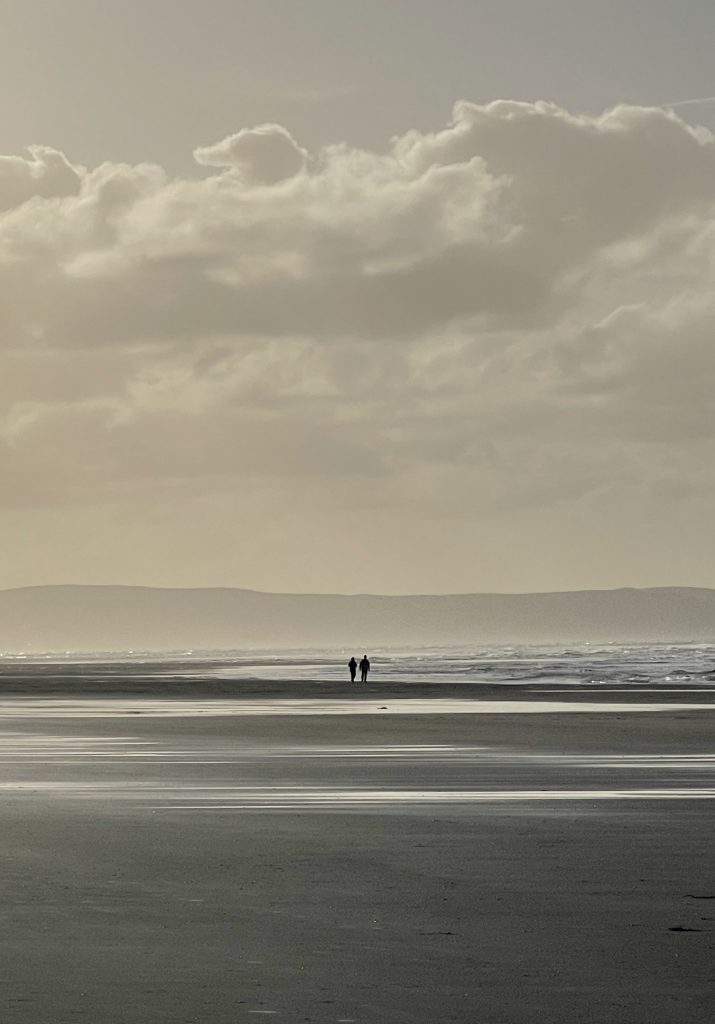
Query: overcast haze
point(399, 297)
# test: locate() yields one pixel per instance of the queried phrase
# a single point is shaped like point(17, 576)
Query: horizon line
point(356, 594)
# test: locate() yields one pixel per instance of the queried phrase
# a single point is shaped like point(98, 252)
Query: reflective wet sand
point(215, 860)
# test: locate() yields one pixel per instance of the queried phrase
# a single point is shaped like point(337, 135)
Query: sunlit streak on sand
point(135, 771)
point(303, 797)
point(125, 708)
point(290, 800)
point(49, 749)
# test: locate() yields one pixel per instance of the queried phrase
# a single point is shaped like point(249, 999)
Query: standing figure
point(364, 668)
point(352, 665)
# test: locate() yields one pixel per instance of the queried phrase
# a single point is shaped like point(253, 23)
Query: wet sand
point(168, 856)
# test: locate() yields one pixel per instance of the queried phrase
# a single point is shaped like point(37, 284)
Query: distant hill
point(110, 618)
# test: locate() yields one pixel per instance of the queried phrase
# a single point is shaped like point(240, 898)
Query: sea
point(589, 666)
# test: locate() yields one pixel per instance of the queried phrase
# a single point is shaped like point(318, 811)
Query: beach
point(192, 848)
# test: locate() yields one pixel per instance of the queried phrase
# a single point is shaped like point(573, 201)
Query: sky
point(398, 297)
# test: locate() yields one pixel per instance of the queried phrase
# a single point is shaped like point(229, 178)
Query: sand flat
point(501, 867)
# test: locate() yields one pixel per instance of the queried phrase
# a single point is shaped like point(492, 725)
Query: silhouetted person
point(364, 668)
point(352, 665)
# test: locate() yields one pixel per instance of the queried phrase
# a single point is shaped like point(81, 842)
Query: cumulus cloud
point(512, 312)
point(263, 155)
point(46, 174)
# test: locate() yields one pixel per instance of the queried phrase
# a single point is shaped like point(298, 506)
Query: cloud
point(47, 174)
point(263, 155)
point(514, 311)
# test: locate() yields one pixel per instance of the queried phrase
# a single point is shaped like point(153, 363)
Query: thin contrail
point(690, 103)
